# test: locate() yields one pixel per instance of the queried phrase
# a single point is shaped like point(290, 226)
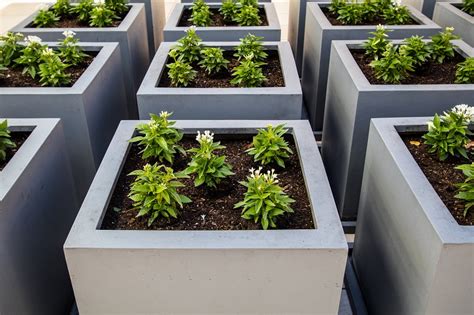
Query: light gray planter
point(272, 32)
point(191, 1)
point(201, 267)
point(425, 6)
point(37, 207)
point(90, 110)
point(131, 35)
point(410, 254)
point(446, 14)
point(223, 103)
point(350, 104)
point(317, 50)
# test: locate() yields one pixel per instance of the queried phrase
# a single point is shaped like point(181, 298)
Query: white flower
point(47, 52)
point(271, 177)
point(255, 173)
point(164, 114)
point(99, 1)
point(464, 110)
point(449, 29)
point(207, 136)
point(380, 27)
point(397, 3)
point(191, 29)
point(69, 33)
point(33, 39)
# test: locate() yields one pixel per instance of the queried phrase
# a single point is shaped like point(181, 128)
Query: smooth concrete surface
point(449, 14)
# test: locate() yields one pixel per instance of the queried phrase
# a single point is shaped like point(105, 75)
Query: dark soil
point(216, 205)
point(13, 77)
point(18, 137)
point(442, 176)
point(272, 71)
point(72, 21)
point(332, 17)
point(217, 19)
point(430, 73)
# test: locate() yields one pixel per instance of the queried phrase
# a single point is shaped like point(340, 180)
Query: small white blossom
point(68, 33)
point(99, 1)
point(255, 173)
point(191, 28)
point(380, 27)
point(464, 110)
point(397, 3)
point(47, 52)
point(271, 177)
point(449, 29)
point(164, 114)
point(207, 136)
point(33, 39)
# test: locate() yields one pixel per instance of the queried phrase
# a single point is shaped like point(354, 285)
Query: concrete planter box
point(131, 35)
point(427, 256)
point(425, 6)
point(272, 32)
point(223, 103)
point(219, 1)
point(90, 110)
point(233, 267)
point(37, 207)
point(448, 14)
point(350, 104)
point(317, 50)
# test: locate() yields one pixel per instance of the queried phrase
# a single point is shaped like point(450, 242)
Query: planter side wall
point(446, 14)
point(35, 217)
point(420, 273)
point(425, 6)
point(317, 50)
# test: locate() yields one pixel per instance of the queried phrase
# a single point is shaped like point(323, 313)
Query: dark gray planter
point(222, 103)
point(410, 255)
point(131, 35)
point(317, 49)
point(90, 110)
point(272, 32)
point(350, 104)
point(201, 267)
point(37, 207)
point(447, 14)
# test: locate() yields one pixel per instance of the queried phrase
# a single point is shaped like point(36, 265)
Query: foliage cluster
point(356, 12)
point(5, 140)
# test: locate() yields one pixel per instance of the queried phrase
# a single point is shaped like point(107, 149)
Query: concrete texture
point(410, 255)
point(204, 268)
point(449, 14)
point(350, 104)
point(272, 32)
point(317, 50)
point(425, 6)
point(131, 35)
point(37, 207)
point(90, 110)
point(222, 103)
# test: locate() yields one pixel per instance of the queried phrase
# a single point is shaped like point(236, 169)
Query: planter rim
point(435, 210)
point(175, 16)
point(40, 129)
point(327, 234)
point(287, 63)
point(341, 47)
point(105, 50)
point(423, 20)
point(449, 5)
point(131, 16)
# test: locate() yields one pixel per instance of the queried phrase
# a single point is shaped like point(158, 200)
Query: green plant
point(417, 49)
point(83, 10)
point(270, 146)
point(351, 13)
point(69, 50)
point(201, 15)
point(466, 189)
point(396, 14)
point(465, 71)
point(159, 138)
point(393, 66)
point(375, 46)
point(248, 16)
point(441, 46)
point(52, 70)
point(228, 10)
point(45, 18)
point(30, 55)
point(180, 73)
point(264, 200)
point(213, 60)
point(253, 3)
point(102, 16)
point(448, 134)
point(251, 45)
point(468, 6)
point(9, 47)
point(210, 168)
point(189, 47)
point(5, 140)
point(336, 5)
point(118, 6)
point(62, 7)
point(248, 73)
point(154, 192)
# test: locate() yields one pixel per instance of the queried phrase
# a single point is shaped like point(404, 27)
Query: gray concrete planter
point(317, 50)
point(350, 104)
point(272, 32)
point(410, 254)
point(223, 103)
point(90, 110)
point(37, 207)
point(213, 1)
point(131, 35)
point(201, 267)
point(425, 6)
point(448, 14)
